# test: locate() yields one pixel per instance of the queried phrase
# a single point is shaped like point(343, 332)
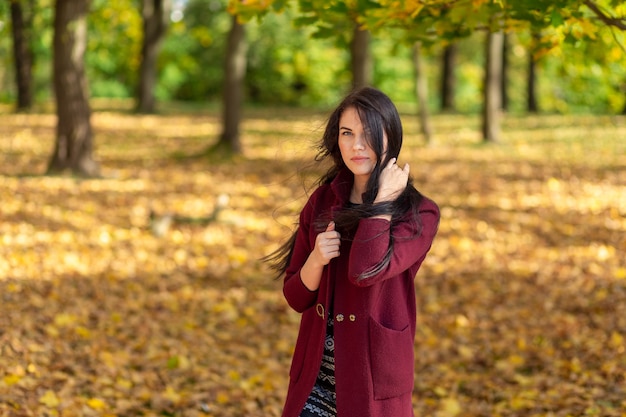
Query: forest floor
point(522, 300)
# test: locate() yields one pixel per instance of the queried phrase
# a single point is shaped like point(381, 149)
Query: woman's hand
point(392, 182)
point(327, 245)
point(326, 248)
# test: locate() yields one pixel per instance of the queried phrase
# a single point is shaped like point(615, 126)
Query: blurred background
point(579, 62)
point(153, 151)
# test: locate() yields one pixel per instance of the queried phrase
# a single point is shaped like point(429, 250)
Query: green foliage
point(586, 75)
point(41, 37)
point(43, 27)
point(6, 61)
point(287, 66)
point(192, 54)
point(298, 50)
point(114, 47)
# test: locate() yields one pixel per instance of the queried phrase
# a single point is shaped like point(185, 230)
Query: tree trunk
point(531, 85)
point(155, 15)
point(232, 96)
point(23, 54)
point(74, 137)
point(492, 85)
point(448, 80)
point(505, 73)
point(361, 60)
point(421, 90)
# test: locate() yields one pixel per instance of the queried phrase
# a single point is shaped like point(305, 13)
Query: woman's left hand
point(393, 181)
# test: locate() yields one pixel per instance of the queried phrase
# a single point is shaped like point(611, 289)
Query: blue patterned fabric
point(322, 400)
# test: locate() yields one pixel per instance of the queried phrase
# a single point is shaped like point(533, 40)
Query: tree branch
point(619, 23)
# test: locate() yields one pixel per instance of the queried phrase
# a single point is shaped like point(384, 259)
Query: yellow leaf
point(49, 399)
point(222, 398)
point(554, 184)
point(11, 379)
point(64, 319)
point(617, 340)
point(466, 352)
point(172, 395)
point(83, 332)
point(52, 331)
point(124, 383)
point(518, 403)
point(462, 321)
point(516, 360)
point(450, 407)
point(96, 403)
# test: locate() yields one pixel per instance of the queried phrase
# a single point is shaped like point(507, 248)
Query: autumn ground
point(522, 300)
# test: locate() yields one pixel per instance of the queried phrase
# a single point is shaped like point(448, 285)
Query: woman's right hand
point(326, 248)
point(327, 244)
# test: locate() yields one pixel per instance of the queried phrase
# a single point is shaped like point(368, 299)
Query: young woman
point(350, 269)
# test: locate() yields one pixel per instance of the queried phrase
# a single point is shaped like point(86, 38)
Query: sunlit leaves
point(114, 46)
point(522, 298)
point(425, 19)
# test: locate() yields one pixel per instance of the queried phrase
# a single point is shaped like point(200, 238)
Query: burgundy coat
point(374, 319)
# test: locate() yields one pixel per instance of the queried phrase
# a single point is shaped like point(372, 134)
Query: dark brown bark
point(492, 107)
point(448, 79)
point(531, 93)
point(421, 91)
point(361, 59)
point(232, 96)
point(22, 54)
point(504, 80)
point(74, 137)
point(155, 15)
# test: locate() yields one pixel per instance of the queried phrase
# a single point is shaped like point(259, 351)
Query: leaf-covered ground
point(522, 301)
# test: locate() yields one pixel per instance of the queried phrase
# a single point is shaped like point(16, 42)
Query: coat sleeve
point(298, 296)
point(410, 247)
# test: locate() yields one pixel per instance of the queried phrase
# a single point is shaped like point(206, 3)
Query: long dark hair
point(378, 114)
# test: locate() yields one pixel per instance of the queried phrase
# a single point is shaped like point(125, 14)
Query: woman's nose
point(359, 142)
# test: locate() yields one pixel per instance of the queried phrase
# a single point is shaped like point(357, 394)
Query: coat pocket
point(391, 357)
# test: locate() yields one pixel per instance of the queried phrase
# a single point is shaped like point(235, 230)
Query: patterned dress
point(322, 400)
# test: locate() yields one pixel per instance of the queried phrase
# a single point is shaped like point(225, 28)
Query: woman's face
point(355, 150)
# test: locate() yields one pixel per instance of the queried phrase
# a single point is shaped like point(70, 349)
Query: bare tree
point(74, 137)
point(233, 90)
point(155, 15)
point(532, 105)
point(22, 51)
point(492, 107)
point(448, 79)
point(361, 59)
point(421, 91)
point(504, 79)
